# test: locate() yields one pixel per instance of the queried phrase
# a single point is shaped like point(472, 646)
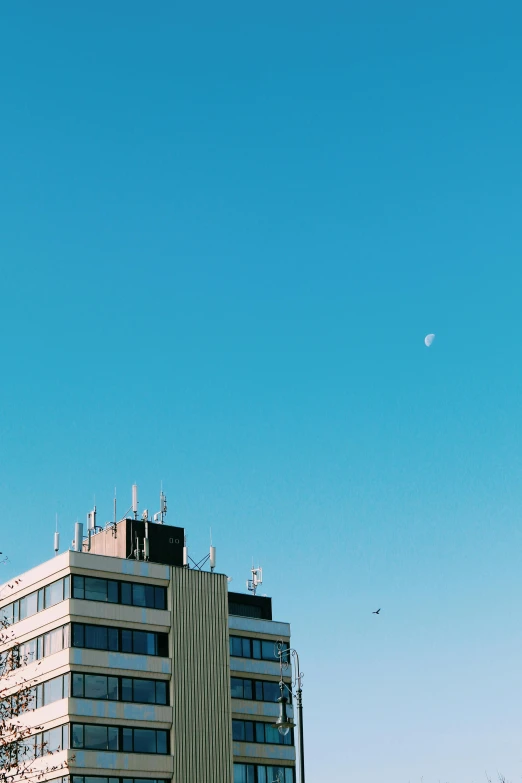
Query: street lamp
point(283, 722)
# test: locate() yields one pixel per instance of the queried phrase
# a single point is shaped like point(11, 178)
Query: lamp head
point(283, 722)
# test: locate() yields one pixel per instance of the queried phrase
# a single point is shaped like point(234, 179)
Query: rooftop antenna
point(256, 580)
point(212, 554)
point(135, 500)
point(160, 516)
point(210, 558)
point(91, 519)
point(115, 517)
point(56, 538)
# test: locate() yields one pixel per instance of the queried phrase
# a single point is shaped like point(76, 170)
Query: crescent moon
point(428, 340)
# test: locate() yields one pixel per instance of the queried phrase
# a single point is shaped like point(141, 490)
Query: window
point(257, 731)
point(257, 690)
point(48, 741)
point(97, 737)
point(260, 649)
point(252, 773)
point(37, 601)
point(91, 588)
point(99, 637)
point(99, 686)
point(97, 779)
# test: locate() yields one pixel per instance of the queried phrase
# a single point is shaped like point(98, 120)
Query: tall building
point(146, 670)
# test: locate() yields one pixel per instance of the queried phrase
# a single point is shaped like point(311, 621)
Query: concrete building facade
point(146, 672)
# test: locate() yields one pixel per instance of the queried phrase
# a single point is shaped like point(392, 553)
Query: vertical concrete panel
point(202, 727)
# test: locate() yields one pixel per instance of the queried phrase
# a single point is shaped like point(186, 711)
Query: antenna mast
point(257, 579)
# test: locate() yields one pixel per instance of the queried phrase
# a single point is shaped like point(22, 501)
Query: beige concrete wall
point(201, 703)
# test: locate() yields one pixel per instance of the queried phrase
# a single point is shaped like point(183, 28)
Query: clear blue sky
point(224, 233)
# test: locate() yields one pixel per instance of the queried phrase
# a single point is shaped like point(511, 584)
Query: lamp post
point(283, 722)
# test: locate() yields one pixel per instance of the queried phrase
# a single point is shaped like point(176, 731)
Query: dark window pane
point(238, 730)
point(95, 589)
point(139, 642)
point(96, 637)
point(127, 740)
point(240, 773)
point(144, 741)
point(260, 732)
point(145, 691)
point(161, 741)
point(78, 587)
point(159, 598)
point(126, 640)
point(77, 735)
point(112, 738)
point(126, 593)
point(95, 686)
point(259, 691)
point(246, 648)
point(162, 642)
point(112, 688)
point(126, 689)
point(77, 685)
point(95, 737)
point(161, 692)
point(66, 587)
point(274, 737)
point(143, 595)
point(112, 638)
point(112, 592)
point(256, 649)
point(249, 731)
point(271, 691)
point(236, 687)
point(269, 651)
point(289, 775)
point(236, 647)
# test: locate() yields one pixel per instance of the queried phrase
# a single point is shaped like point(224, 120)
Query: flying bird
point(377, 612)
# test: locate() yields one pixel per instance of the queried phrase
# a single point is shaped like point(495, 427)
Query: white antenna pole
point(115, 505)
point(135, 500)
point(56, 538)
point(212, 556)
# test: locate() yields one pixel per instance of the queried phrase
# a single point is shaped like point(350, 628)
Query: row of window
point(93, 736)
point(111, 591)
point(100, 637)
point(90, 736)
point(97, 779)
point(255, 690)
point(131, 689)
point(256, 731)
point(90, 686)
point(88, 588)
point(35, 602)
point(93, 637)
point(50, 741)
point(258, 773)
point(261, 649)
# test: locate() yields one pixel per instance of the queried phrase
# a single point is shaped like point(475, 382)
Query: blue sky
point(225, 232)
